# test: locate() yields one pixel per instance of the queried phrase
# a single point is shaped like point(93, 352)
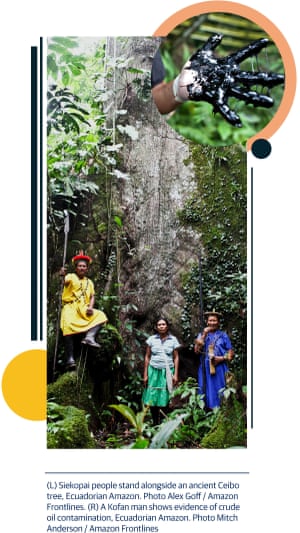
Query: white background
point(272, 453)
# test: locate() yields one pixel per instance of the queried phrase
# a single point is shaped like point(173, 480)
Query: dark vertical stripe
point(34, 211)
point(251, 290)
point(41, 190)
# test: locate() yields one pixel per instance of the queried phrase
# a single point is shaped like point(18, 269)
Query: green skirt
point(156, 392)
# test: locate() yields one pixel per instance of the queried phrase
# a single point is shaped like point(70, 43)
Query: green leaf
point(127, 412)
point(140, 443)
point(65, 78)
point(140, 421)
point(135, 70)
point(76, 71)
point(51, 65)
point(68, 42)
point(118, 221)
point(162, 436)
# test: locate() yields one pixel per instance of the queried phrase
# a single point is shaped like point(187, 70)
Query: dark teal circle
point(261, 148)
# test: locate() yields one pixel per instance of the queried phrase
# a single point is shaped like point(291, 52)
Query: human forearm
point(227, 357)
point(146, 365)
point(90, 307)
point(200, 341)
point(176, 367)
point(62, 273)
point(164, 97)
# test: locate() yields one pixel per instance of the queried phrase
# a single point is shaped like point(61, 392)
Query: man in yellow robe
point(78, 314)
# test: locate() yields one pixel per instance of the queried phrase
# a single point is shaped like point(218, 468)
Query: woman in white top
point(160, 369)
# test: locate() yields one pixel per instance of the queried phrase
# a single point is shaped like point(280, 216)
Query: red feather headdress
point(81, 256)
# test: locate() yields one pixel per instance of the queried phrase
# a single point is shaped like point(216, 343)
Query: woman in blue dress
point(215, 350)
point(160, 369)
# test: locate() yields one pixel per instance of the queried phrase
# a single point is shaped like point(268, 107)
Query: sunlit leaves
point(63, 64)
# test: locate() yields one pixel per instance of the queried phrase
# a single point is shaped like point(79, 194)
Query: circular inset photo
point(218, 78)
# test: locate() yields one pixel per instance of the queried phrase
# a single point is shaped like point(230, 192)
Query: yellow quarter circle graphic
point(24, 384)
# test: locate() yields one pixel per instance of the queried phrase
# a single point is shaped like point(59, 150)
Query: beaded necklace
point(83, 290)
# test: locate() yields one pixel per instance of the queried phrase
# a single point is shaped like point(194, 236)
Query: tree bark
point(160, 179)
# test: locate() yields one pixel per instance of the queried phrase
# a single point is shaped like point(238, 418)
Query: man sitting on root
point(78, 314)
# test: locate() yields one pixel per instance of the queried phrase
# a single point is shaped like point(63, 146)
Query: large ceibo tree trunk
point(157, 161)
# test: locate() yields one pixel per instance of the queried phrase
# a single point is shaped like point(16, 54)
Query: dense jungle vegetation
point(99, 405)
